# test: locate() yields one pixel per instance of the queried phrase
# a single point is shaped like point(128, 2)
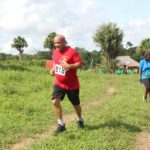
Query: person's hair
point(147, 55)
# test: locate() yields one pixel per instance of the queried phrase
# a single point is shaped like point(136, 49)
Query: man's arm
point(71, 66)
point(52, 71)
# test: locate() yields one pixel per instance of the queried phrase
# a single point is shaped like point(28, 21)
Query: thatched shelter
point(126, 62)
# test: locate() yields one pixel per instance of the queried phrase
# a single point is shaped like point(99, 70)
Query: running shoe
point(59, 129)
point(80, 123)
point(144, 98)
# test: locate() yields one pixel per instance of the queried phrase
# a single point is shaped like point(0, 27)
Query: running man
point(66, 63)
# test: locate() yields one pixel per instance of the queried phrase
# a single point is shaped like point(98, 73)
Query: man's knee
point(77, 107)
point(56, 102)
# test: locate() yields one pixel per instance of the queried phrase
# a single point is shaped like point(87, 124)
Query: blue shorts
point(73, 95)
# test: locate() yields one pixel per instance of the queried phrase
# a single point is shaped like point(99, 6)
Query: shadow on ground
point(114, 124)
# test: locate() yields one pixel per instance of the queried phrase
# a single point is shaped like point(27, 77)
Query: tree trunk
point(91, 63)
point(20, 57)
point(108, 62)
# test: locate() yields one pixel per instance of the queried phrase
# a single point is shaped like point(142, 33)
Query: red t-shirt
point(69, 81)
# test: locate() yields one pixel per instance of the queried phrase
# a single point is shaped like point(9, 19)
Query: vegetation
point(19, 43)
point(90, 59)
point(143, 47)
point(109, 38)
point(113, 109)
point(112, 123)
point(129, 45)
point(48, 43)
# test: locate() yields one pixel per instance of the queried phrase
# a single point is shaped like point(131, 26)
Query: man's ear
point(65, 41)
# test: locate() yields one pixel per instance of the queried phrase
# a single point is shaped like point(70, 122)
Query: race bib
point(59, 70)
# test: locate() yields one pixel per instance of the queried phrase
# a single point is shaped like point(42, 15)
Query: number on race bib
point(59, 70)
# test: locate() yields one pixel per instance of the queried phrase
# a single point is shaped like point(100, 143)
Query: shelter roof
point(126, 61)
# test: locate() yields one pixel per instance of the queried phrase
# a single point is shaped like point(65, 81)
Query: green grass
point(26, 110)
point(111, 126)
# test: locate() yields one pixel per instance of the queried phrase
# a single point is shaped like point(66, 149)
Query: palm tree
point(19, 43)
point(48, 43)
point(109, 38)
point(143, 47)
point(129, 45)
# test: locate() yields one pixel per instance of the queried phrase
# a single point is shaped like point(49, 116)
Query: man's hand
point(65, 66)
point(52, 72)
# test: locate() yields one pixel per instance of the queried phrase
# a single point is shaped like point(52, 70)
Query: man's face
point(59, 43)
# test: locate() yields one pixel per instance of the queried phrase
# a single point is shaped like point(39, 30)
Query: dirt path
point(143, 141)
point(25, 143)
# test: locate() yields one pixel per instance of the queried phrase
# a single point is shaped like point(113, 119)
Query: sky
point(77, 20)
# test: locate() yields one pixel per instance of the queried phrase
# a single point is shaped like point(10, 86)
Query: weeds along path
point(143, 141)
point(25, 143)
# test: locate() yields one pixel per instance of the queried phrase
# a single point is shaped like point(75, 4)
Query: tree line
point(108, 37)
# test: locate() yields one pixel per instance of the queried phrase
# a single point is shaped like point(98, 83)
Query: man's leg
point(78, 110)
point(74, 99)
point(57, 108)
point(80, 120)
point(58, 113)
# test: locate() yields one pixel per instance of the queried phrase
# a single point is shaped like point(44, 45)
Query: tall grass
point(111, 126)
point(26, 107)
point(26, 110)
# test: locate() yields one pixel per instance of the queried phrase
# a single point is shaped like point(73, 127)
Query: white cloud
point(35, 19)
point(12, 14)
point(138, 22)
point(137, 30)
point(76, 19)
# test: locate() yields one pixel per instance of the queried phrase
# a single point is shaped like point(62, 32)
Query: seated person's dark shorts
point(73, 95)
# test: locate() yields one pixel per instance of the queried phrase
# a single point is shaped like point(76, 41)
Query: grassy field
point(112, 124)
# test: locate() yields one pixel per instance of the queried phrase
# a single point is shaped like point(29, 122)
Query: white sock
point(80, 119)
point(61, 122)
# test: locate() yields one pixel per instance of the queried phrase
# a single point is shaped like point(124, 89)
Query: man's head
point(60, 42)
